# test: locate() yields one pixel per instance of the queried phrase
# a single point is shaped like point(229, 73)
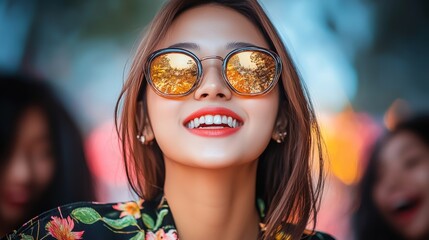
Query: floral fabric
point(130, 220)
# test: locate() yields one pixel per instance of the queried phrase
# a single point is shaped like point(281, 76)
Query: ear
point(143, 123)
point(280, 125)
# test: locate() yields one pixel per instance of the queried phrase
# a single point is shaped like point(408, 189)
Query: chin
point(212, 161)
point(416, 232)
point(14, 219)
point(215, 164)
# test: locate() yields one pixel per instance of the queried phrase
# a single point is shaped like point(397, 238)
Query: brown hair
point(284, 177)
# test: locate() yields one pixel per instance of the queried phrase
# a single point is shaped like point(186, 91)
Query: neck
point(213, 204)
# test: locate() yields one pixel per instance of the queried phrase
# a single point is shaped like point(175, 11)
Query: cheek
point(43, 173)
point(420, 177)
point(262, 117)
point(379, 197)
point(163, 115)
point(263, 110)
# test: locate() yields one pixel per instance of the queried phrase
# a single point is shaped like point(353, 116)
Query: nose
point(212, 86)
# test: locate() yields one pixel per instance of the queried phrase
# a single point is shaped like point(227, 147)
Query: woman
point(394, 192)
point(216, 122)
point(41, 153)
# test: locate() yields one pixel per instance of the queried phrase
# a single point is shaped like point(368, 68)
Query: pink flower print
point(150, 236)
point(130, 208)
point(161, 235)
point(61, 229)
point(171, 235)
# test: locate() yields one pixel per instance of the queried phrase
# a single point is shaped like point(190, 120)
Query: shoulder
point(317, 236)
point(86, 220)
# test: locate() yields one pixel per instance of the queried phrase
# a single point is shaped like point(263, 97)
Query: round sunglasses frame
point(278, 70)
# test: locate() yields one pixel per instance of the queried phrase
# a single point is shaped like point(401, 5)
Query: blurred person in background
point(42, 160)
point(394, 201)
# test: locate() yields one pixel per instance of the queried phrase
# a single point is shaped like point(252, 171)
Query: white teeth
point(213, 120)
point(196, 122)
point(217, 119)
point(209, 119)
point(230, 121)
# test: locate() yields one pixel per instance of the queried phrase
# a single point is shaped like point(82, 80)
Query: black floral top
point(141, 220)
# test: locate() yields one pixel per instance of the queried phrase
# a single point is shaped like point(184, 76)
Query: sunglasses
point(248, 71)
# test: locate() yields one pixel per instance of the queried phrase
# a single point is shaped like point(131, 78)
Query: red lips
point(212, 111)
point(215, 130)
point(16, 198)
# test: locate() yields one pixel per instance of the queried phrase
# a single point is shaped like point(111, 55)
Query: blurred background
point(365, 64)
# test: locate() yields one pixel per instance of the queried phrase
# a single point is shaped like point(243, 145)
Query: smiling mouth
point(213, 122)
point(404, 210)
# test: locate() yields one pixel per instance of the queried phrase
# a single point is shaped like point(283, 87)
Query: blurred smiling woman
point(394, 192)
point(42, 162)
point(217, 133)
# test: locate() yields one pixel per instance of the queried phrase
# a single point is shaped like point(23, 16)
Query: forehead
point(33, 123)
point(212, 27)
point(398, 146)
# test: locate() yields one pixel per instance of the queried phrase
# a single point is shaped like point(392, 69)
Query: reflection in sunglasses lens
point(173, 73)
point(251, 72)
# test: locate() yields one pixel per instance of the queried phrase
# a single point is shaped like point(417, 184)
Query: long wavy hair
point(284, 177)
point(368, 223)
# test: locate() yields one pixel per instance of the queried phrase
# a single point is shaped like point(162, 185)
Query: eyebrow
point(233, 45)
point(187, 45)
point(194, 46)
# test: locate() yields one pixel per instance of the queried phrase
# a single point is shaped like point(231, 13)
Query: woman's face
point(29, 170)
point(402, 189)
point(212, 30)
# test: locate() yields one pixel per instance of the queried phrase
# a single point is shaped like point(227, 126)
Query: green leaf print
point(85, 215)
point(120, 223)
point(160, 217)
point(148, 221)
point(26, 237)
point(138, 236)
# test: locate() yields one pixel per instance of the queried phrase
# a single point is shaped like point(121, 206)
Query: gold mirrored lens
point(173, 73)
point(251, 72)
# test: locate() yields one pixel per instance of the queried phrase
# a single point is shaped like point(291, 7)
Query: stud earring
point(141, 138)
point(281, 137)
